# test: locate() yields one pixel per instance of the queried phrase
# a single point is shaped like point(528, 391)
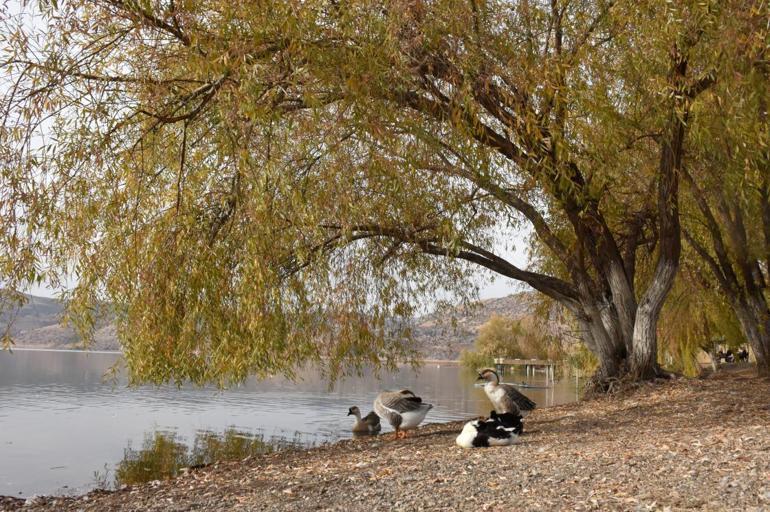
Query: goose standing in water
point(504, 397)
point(369, 424)
point(402, 409)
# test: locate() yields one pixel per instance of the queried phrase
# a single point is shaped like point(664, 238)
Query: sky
point(490, 285)
point(500, 287)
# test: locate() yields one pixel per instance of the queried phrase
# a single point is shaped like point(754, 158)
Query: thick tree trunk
point(754, 319)
point(761, 347)
point(609, 360)
point(746, 298)
point(610, 364)
point(601, 323)
point(761, 343)
point(645, 341)
point(644, 357)
point(624, 302)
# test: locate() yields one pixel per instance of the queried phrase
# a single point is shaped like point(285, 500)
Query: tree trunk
point(624, 301)
point(645, 340)
point(644, 357)
point(600, 321)
point(761, 347)
point(746, 299)
point(610, 364)
point(754, 319)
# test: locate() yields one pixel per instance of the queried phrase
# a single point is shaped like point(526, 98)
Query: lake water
point(64, 429)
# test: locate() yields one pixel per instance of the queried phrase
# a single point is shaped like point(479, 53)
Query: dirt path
point(684, 445)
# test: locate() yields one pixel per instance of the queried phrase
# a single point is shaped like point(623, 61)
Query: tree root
point(603, 386)
point(626, 382)
point(660, 373)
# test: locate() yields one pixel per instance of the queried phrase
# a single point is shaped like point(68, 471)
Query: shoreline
point(89, 351)
point(687, 444)
point(73, 350)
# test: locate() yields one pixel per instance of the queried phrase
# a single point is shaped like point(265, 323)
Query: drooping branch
point(445, 112)
point(710, 261)
point(203, 94)
point(530, 146)
point(588, 222)
point(590, 30)
point(715, 232)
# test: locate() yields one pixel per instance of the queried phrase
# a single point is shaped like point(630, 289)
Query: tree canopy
point(257, 185)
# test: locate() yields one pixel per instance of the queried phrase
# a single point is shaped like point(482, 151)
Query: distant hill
point(444, 334)
point(440, 335)
point(38, 325)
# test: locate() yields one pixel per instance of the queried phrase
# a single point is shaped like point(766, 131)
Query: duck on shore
point(505, 398)
point(497, 430)
point(369, 424)
point(507, 420)
point(402, 409)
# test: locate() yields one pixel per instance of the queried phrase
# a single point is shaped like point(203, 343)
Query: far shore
point(89, 351)
point(687, 444)
point(40, 349)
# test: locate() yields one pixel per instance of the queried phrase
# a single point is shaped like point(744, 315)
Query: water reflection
point(165, 453)
point(161, 456)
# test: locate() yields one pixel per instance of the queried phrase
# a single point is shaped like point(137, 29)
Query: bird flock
point(404, 411)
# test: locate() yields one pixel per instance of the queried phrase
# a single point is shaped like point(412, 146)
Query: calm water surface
point(64, 429)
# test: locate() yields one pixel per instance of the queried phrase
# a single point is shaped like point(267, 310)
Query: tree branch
point(551, 286)
point(715, 231)
point(710, 261)
point(133, 9)
point(700, 85)
point(555, 288)
point(588, 32)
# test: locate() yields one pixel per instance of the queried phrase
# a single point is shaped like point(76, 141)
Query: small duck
point(504, 397)
point(493, 431)
point(402, 409)
point(369, 424)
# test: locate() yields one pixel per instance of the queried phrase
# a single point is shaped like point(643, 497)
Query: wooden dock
point(530, 366)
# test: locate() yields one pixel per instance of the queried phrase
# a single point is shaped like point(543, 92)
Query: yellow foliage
point(505, 337)
point(693, 320)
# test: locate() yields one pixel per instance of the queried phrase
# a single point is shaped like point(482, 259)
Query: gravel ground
point(681, 445)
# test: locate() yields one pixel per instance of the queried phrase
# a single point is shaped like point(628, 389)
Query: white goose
point(402, 409)
point(505, 398)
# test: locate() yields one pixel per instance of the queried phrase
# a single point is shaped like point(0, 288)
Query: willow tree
point(696, 318)
point(257, 184)
point(728, 183)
